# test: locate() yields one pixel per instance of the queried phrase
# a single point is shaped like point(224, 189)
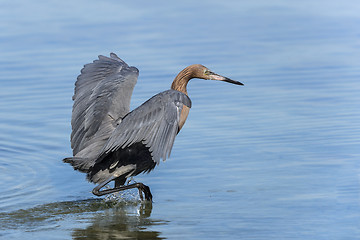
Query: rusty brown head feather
point(197, 71)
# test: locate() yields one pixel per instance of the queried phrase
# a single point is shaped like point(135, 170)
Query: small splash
point(130, 195)
point(124, 196)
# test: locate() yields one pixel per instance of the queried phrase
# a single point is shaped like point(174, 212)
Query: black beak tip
point(233, 82)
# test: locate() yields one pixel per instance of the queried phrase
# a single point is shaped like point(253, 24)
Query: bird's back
point(145, 136)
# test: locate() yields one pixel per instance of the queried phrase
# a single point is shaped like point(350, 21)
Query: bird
point(109, 142)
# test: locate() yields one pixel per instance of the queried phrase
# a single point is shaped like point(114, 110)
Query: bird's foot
point(144, 192)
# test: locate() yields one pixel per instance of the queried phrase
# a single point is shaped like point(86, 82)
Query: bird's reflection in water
point(121, 222)
point(87, 219)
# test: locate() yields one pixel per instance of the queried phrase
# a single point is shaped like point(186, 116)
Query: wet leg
point(143, 189)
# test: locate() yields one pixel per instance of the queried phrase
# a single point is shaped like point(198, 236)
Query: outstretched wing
point(155, 123)
point(102, 98)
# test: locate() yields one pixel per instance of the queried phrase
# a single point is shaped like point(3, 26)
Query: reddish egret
point(109, 142)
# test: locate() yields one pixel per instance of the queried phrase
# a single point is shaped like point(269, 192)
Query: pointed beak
point(232, 81)
point(214, 76)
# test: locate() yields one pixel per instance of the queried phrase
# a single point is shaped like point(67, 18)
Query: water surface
point(275, 159)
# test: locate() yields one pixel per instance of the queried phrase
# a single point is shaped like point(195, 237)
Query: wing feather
point(102, 96)
point(155, 123)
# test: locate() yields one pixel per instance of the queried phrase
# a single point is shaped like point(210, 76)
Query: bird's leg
point(119, 182)
point(131, 179)
point(143, 189)
point(96, 191)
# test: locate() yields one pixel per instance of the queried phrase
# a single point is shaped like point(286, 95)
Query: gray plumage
point(102, 98)
point(101, 122)
point(109, 142)
point(155, 123)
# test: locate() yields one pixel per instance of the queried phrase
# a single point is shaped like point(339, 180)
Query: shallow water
point(275, 159)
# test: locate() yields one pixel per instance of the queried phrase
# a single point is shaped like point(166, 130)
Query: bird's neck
point(180, 84)
point(182, 79)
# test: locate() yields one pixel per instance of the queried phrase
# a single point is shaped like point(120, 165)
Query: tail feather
point(80, 164)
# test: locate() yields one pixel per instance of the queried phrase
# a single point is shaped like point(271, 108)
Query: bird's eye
point(207, 72)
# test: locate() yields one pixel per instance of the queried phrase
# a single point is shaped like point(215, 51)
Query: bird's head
point(197, 71)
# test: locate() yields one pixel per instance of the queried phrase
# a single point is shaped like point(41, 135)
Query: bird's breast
point(183, 115)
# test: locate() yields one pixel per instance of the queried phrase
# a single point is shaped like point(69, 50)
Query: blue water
point(275, 159)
